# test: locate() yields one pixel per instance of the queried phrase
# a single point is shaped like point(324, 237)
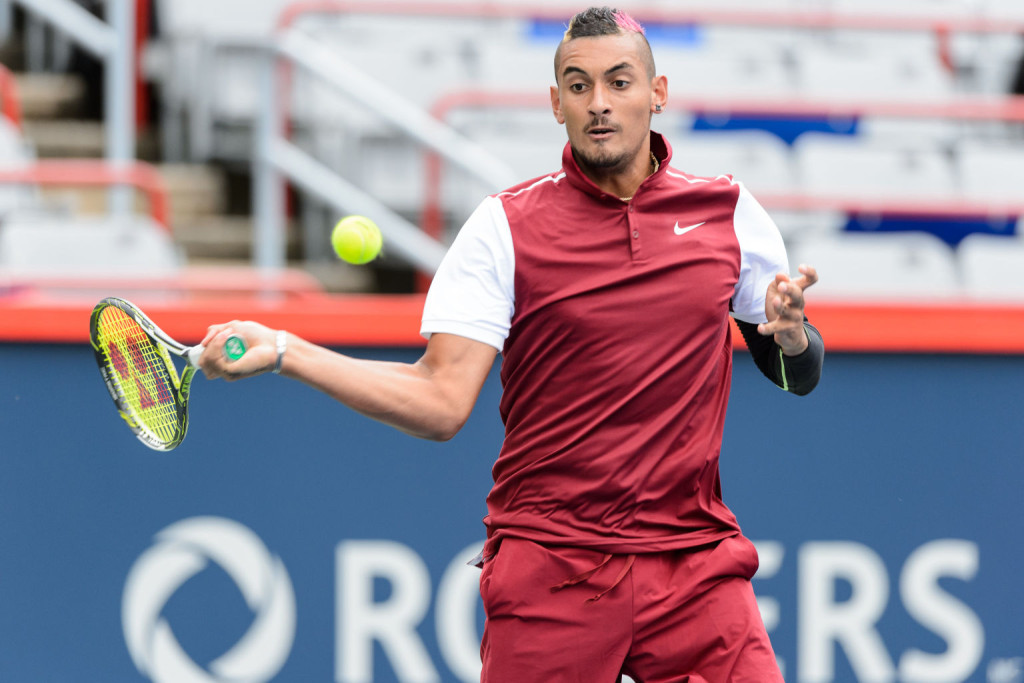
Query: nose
point(599, 101)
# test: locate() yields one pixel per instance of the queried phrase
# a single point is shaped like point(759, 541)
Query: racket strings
point(144, 372)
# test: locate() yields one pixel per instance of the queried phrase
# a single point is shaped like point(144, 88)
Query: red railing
point(10, 102)
point(820, 19)
point(983, 109)
point(962, 109)
point(90, 173)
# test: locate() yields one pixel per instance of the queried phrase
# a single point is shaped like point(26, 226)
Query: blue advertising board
point(289, 539)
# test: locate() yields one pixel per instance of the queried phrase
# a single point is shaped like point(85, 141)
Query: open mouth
point(600, 132)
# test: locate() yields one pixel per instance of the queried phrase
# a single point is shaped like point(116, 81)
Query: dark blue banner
point(290, 539)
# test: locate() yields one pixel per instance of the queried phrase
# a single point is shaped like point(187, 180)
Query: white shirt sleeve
point(473, 292)
point(762, 256)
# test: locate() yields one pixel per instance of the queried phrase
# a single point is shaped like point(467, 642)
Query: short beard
point(603, 163)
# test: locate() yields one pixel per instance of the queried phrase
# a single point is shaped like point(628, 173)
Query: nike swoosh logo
point(682, 231)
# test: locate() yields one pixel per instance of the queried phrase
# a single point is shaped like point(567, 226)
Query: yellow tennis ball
point(356, 239)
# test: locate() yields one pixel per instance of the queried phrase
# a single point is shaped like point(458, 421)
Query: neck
point(652, 168)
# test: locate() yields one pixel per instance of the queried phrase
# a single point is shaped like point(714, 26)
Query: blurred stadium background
point(192, 156)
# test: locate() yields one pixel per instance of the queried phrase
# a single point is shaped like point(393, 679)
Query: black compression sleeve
point(796, 374)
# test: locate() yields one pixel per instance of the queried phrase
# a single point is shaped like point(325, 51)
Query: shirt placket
point(635, 234)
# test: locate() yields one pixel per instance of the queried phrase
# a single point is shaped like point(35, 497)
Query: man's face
point(605, 97)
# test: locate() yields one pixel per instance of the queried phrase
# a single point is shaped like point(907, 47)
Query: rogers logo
point(181, 551)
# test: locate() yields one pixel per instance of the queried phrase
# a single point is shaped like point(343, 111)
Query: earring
point(657, 108)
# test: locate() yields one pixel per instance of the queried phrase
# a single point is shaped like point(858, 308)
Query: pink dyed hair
point(628, 23)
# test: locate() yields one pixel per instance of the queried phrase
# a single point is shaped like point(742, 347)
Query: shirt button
point(636, 234)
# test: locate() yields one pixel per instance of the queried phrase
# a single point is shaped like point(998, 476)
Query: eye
point(577, 87)
point(620, 83)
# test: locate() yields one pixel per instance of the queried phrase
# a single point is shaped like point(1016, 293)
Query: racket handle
point(234, 347)
point(193, 355)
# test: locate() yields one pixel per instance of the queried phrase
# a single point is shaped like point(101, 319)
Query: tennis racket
point(134, 356)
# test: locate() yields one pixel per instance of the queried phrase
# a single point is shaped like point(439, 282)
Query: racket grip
point(234, 347)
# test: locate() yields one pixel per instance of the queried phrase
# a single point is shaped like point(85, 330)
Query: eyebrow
point(623, 66)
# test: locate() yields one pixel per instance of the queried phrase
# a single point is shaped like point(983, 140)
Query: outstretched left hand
point(784, 308)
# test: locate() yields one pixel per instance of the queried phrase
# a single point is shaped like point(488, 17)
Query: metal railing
point(112, 42)
point(276, 158)
point(139, 176)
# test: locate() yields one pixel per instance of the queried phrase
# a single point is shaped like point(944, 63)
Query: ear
point(659, 94)
point(556, 104)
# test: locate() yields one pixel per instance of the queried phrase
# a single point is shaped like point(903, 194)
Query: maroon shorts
point(568, 615)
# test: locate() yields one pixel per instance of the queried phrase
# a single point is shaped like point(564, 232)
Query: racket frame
point(179, 387)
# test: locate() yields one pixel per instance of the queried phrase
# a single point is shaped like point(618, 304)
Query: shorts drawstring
point(580, 578)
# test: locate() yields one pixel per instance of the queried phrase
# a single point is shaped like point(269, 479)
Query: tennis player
point(607, 286)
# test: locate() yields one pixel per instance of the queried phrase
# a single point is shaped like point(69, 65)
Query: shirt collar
point(659, 146)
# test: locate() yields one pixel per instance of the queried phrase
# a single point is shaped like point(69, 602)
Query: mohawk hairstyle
point(601, 21)
point(605, 21)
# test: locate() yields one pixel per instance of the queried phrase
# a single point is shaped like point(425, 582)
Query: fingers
point(808, 276)
point(212, 331)
point(259, 356)
point(791, 296)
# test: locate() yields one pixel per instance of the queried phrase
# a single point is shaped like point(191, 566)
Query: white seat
point(847, 167)
point(750, 73)
point(421, 71)
point(15, 151)
point(939, 9)
point(797, 226)
point(992, 266)
point(32, 244)
point(991, 171)
point(392, 170)
point(757, 158)
point(221, 19)
point(880, 266)
point(728, 5)
point(911, 130)
point(1003, 9)
point(988, 61)
point(903, 67)
point(514, 65)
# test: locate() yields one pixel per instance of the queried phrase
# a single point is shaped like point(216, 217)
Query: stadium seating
point(748, 73)
point(207, 63)
point(875, 68)
point(891, 266)
point(45, 244)
point(848, 167)
point(757, 158)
